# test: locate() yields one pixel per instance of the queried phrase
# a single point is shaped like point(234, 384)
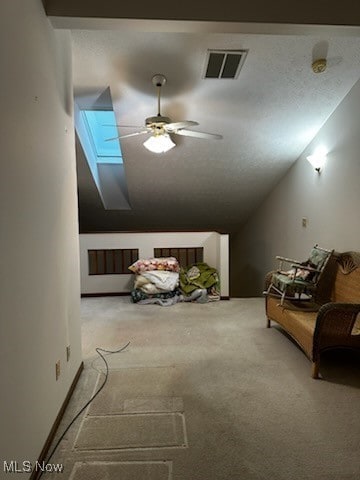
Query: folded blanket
point(145, 285)
point(191, 280)
point(167, 302)
point(199, 295)
point(137, 295)
point(157, 281)
point(171, 298)
point(163, 280)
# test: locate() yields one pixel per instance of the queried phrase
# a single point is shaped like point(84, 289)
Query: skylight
point(100, 125)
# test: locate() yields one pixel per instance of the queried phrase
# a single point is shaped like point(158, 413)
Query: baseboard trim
point(106, 294)
point(36, 473)
point(125, 294)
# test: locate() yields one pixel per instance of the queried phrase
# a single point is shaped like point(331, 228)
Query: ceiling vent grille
point(224, 63)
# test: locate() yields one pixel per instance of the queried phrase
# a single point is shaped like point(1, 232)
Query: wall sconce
point(318, 158)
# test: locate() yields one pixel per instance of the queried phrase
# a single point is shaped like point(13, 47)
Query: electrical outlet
point(57, 369)
point(304, 222)
point(68, 353)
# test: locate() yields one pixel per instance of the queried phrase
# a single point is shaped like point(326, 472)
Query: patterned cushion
point(318, 257)
point(162, 263)
point(287, 283)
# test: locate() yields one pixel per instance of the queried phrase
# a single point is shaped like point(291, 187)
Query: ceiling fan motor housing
point(159, 119)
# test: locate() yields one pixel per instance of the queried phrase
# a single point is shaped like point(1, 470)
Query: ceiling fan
point(160, 127)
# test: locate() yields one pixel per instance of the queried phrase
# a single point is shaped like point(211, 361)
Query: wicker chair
point(302, 279)
point(334, 321)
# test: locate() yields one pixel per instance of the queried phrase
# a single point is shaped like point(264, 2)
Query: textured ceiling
point(267, 117)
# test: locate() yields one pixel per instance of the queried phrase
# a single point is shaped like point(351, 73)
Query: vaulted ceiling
point(267, 116)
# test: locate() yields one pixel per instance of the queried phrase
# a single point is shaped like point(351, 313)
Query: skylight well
point(95, 125)
point(100, 125)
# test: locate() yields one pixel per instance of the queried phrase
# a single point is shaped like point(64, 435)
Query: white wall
point(215, 255)
point(330, 201)
point(223, 264)
point(40, 286)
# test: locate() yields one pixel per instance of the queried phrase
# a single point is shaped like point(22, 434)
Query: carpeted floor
point(206, 392)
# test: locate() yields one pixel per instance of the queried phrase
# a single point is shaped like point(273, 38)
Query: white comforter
point(156, 281)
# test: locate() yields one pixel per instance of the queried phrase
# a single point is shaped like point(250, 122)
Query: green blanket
point(198, 275)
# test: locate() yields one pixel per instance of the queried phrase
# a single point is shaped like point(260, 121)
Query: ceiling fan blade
point(126, 136)
point(171, 127)
point(192, 133)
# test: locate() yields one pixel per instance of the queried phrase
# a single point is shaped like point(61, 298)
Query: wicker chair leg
point(315, 368)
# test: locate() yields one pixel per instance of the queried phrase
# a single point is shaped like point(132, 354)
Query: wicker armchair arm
point(305, 267)
point(286, 260)
point(334, 325)
point(295, 264)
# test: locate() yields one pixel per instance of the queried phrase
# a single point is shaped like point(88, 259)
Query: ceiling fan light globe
point(159, 143)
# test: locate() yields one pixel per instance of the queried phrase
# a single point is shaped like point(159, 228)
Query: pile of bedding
point(156, 281)
point(161, 281)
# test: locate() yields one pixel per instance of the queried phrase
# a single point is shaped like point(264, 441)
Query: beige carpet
point(122, 470)
point(139, 390)
point(237, 398)
point(132, 432)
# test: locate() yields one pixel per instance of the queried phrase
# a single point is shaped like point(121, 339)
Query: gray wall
point(330, 201)
point(39, 284)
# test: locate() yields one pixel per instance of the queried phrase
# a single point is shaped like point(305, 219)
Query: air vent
point(224, 63)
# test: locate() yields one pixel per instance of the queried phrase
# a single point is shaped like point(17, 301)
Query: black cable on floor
point(98, 351)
